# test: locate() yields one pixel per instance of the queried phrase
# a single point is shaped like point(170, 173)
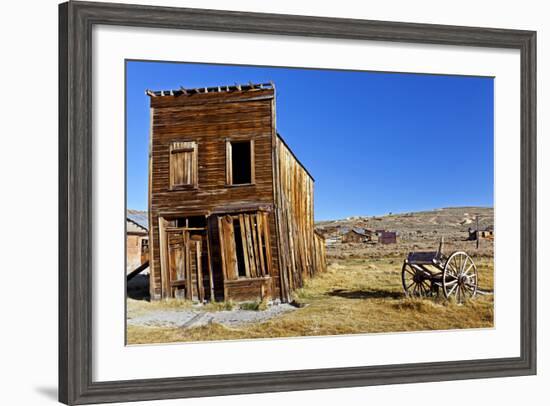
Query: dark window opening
point(241, 165)
point(191, 222)
point(241, 270)
point(197, 221)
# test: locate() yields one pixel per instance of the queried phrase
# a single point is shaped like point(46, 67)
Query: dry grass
point(353, 296)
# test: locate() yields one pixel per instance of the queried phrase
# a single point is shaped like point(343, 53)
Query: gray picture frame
point(76, 20)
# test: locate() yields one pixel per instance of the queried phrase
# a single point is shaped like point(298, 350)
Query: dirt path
point(187, 318)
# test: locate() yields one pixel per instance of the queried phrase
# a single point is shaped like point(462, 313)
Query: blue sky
point(374, 142)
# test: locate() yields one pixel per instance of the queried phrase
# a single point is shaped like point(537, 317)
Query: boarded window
point(245, 245)
point(183, 164)
point(240, 162)
point(191, 222)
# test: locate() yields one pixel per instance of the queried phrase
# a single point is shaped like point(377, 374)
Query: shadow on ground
point(365, 294)
point(138, 287)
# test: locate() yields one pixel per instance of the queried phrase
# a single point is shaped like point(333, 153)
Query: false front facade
point(230, 206)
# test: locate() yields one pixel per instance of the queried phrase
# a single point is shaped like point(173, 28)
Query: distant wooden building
point(137, 239)
point(359, 235)
point(387, 237)
point(487, 233)
point(353, 236)
point(230, 205)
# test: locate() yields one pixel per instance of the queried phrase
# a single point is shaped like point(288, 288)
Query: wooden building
point(387, 237)
point(487, 233)
point(230, 206)
point(137, 239)
point(359, 235)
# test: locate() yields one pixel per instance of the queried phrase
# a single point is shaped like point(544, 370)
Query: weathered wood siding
point(302, 251)
point(210, 120)
point(320, 258)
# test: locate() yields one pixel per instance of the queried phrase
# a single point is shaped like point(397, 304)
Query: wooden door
point(185, 264)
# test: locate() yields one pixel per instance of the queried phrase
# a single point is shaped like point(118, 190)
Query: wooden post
point(163, 251)
point(210, 271)
point(477, 232)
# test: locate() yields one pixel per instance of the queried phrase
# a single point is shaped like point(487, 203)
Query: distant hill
point(445, 220)
point(416, 230)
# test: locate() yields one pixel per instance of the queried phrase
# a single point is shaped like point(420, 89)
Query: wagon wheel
point(460, 277)
point(416, 282)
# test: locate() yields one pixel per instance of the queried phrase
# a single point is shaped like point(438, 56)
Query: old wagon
point(427, 273)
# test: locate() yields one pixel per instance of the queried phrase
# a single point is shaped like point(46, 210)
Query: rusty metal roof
point(213, 89)
point(138, 217)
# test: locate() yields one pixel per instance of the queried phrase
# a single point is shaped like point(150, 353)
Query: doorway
point(188, 263)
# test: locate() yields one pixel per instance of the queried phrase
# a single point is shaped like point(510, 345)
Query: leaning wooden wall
point(320, 257)
point(301, 253)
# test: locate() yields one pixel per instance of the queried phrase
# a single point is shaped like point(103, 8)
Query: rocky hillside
point(415, 231)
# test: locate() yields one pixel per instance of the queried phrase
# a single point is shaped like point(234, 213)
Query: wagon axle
point(419, 277)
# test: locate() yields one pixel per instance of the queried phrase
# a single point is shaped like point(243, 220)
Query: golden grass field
point(353, 296)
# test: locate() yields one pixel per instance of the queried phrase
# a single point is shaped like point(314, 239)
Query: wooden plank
point(227, 242)
point(228, 164)
point(188, 270)
point(244, 245)
point(250, 246)
point(186, 228)
point(256, 243)
point(195, 166)
point(259, 243)
point(210, 271)
point(223, 255)
point(153, 288)
point(200, 282)
point(279, 226)
point(267, 240)
point(163, 248)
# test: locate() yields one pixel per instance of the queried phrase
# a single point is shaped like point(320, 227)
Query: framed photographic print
point(258, 202)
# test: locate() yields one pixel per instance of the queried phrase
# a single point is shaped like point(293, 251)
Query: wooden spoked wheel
point(416, 282)
point(460, 277)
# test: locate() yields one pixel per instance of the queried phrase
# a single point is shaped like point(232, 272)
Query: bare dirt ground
point(195, 316)
point(360, 292)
